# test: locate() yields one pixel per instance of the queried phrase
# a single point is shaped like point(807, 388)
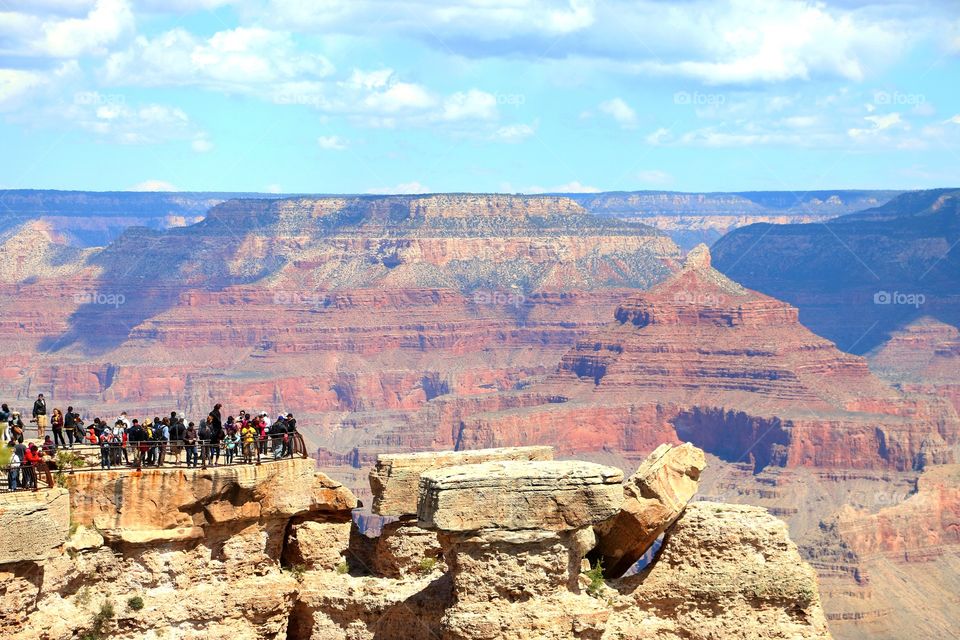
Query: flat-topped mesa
point(700, 295)
point(464, 205)
point(519, 496)
point(395, 481)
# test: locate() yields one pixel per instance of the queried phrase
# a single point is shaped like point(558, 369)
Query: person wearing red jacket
point(33, 458)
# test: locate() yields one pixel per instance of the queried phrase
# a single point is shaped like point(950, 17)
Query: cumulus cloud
point(242, 60)
point(404, 188)
point(64, 29)
point(879, 123)
point(513, 133)
point(153, 185)
point(620, 111)
point(470, 105)
point(332, 143)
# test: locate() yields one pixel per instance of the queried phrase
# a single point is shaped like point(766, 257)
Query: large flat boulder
point(33, 525)
point(654, 497)
point(514, 495)
point(395, 480)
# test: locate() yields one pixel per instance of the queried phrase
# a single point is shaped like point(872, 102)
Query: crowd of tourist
point(243, 438)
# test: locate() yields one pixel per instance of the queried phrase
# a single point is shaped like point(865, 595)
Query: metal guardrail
point(151, 455)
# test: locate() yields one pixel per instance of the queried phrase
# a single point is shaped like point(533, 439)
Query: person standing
point(104, 438)
point(70, 426)
point(248, 436)
point(56, 422)
point(13, 475)
point(16, 429)
point(33, 458)
point(190, 444)
point(40, 416)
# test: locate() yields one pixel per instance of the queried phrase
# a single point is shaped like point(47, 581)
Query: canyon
point(398, 324)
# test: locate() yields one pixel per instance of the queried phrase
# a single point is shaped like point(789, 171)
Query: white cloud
point(514, 133)
point(201, 143)
point(800, 122)
point(122, 123)
point(654, 177)
point(332, 143)
point(659, 136)
point(64, 29)
point(16, 83)
point(879, 122)
point(400, 96)
point(574, 186)
point(620, 111)
point(955, 119)
point(470, 105)
point(153, 185)
point(242, 60)
point(404, 188)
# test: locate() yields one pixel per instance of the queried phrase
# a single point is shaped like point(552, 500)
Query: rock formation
point(267, 552)
point(654, 497)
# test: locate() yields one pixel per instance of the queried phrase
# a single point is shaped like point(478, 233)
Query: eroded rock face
point(725, 571)
point(654, 497)
point(555, 495)
point(395, 481)
point(33, 524)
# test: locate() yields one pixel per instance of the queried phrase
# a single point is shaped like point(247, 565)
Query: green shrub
point(298, 571)
point(135, 603)
point(343, 568)
point(595, 575)
point(427, 565)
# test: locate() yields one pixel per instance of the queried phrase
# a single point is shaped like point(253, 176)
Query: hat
point(280, 417)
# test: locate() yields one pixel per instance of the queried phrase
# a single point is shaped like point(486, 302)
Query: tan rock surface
point(725, 571)
point(404, 549)
point(319, 546)
point(654, 497)
point(395, 480)
point(553, 495)
point(33, 524)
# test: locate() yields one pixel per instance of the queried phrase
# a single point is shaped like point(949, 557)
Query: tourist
point(93, 432)
point(20, 450)
point(277, 432)
point(104, 440)
point(248, 436)
point(70, 426)
point(217, 419)
point(49, 448)
point(13, 474)
point(33, 458)
point(230, 442)
point(205, 435)
point(216, 437)
point(162, 429)
point(56, 422)
point(291, 430)
point(40, 415)
point(16, 428)
point(190, 444)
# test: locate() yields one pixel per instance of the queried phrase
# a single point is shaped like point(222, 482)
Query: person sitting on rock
point(49, 448)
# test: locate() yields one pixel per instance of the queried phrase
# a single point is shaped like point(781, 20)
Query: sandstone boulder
point(404, 549)
point(33, 524)
point(654, 497)
point(395, 479)
point(724, 571)
point(318, 546)
point(513, 495)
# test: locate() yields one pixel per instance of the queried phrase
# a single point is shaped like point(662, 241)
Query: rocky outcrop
point(33, 525)
point(724, 571)
point(514, 535)
point(654, 497)
point(271, 552)
point(395, 480)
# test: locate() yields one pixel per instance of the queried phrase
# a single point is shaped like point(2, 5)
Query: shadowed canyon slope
point(860, 277)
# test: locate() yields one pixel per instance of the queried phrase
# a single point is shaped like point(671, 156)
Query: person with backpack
point(162, 428)
point(104, 440)
point(40, 416)
point(70, 426)
point(16, 428)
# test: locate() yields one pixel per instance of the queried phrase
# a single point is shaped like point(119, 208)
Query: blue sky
point(358, 96)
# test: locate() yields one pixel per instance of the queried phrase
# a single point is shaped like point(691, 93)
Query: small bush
point(343, 568)
point(427, 565)
point(298, 571)
point(595, 575)
point(135, 603)
point(83, 596)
